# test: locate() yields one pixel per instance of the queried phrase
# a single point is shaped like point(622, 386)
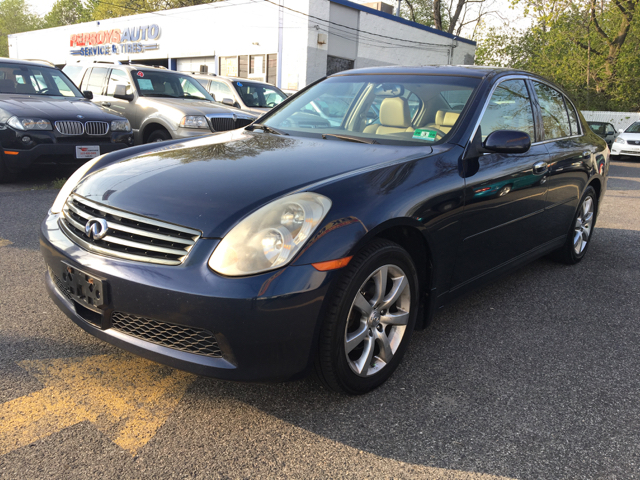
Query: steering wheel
point(44, 90)
point(271, 104)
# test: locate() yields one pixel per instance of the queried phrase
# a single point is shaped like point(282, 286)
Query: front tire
point(159, 135)
point(579, 236)
point(370, 319)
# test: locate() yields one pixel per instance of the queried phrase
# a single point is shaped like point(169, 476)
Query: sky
point(41, 7)
point(512, 16)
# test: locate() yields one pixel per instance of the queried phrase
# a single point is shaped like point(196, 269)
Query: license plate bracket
point(87, 290)
point(87, 151)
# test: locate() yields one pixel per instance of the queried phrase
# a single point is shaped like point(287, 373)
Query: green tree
point(590, 49)
point(119, 8)
point(67, 12)
point(15, 17)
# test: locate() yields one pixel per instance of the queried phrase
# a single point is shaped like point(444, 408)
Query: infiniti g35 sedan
point(285, 247)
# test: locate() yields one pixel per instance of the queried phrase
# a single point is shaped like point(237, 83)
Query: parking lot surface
point(532, 377)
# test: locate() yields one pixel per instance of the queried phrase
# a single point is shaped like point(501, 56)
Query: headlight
point(194, 121)
point(270, 237)
point(120, 126)
point(29, 123)
point(619, 140)
point(70, 184)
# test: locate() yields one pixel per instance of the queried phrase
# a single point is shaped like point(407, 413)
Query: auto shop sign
point(115, 41)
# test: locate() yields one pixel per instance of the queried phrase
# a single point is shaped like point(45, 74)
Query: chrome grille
point(129, 236)
point(96, 128)
point(178, 337)
point(70, 127)
point(222, 124)
point(243, 122)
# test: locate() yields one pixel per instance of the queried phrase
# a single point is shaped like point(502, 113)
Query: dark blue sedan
point(299, 244)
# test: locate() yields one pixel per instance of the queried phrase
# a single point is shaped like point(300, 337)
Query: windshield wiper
point(266, 128)
point(348, 138)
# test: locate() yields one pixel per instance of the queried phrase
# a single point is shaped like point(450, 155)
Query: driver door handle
point(539, 168)
point(106, 104)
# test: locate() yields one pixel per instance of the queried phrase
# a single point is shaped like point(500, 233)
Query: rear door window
point(554, 114)
point(573, 118)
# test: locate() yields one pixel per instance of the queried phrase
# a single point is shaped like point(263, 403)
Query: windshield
point(633, 128)
point(32, 80)
point(258, 95)
point(393, 109)
point(172, 85)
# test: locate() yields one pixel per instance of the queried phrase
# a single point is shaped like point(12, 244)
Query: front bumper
point(265, 326)
point(625, 149)
point(46, 148)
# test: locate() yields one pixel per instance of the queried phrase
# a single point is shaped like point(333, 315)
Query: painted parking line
point(127, 398)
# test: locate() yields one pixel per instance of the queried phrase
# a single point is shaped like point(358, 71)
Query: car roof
point(212, 76)
point(457, 70)
point(15, 61)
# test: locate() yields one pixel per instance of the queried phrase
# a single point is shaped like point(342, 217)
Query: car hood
point(212, 182)
point(629, 136)
point(54, 108)
point(196, 107)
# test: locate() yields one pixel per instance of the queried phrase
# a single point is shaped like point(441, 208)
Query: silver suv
point(160, 104)
point(248, 95)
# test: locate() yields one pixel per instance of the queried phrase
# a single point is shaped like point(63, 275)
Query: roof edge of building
point(372, 11)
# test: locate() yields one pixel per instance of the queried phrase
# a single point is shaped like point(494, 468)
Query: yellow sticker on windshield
point(425, 134)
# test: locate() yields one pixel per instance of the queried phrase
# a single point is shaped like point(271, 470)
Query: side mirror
point(507, 141)
point(88, 94)
point(228, 101)
point(121, 93)
point(213, 95)
point(621, 130)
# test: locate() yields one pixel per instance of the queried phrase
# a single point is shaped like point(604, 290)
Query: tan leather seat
point(444, 120)
point(394, 117)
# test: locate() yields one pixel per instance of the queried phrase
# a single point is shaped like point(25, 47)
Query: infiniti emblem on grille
point(96, 228)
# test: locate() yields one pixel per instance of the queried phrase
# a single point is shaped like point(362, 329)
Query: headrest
point(439, 120)
point(394, 112)
point(450, 118)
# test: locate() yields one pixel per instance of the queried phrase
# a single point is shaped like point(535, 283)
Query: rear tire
point(159, 135)
point(581, 231)
point(370, 319)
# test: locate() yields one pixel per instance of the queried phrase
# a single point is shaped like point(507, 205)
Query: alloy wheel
point(583, 225)
point(377, 320)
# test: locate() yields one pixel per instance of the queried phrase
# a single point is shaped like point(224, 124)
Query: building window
point(337, 64)
point(229, 66)
point(256, 65)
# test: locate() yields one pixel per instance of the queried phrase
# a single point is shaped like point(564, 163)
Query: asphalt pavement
point(532, 377)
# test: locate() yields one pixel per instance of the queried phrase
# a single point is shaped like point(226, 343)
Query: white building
point(289, 43)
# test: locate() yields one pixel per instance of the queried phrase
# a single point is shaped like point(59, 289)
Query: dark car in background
point(277, 249)
point(605, 130)
point(44, 119)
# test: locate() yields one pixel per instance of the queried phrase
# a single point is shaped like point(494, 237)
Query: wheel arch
point(410, 235)
point(151, 127)
point(597, 186)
